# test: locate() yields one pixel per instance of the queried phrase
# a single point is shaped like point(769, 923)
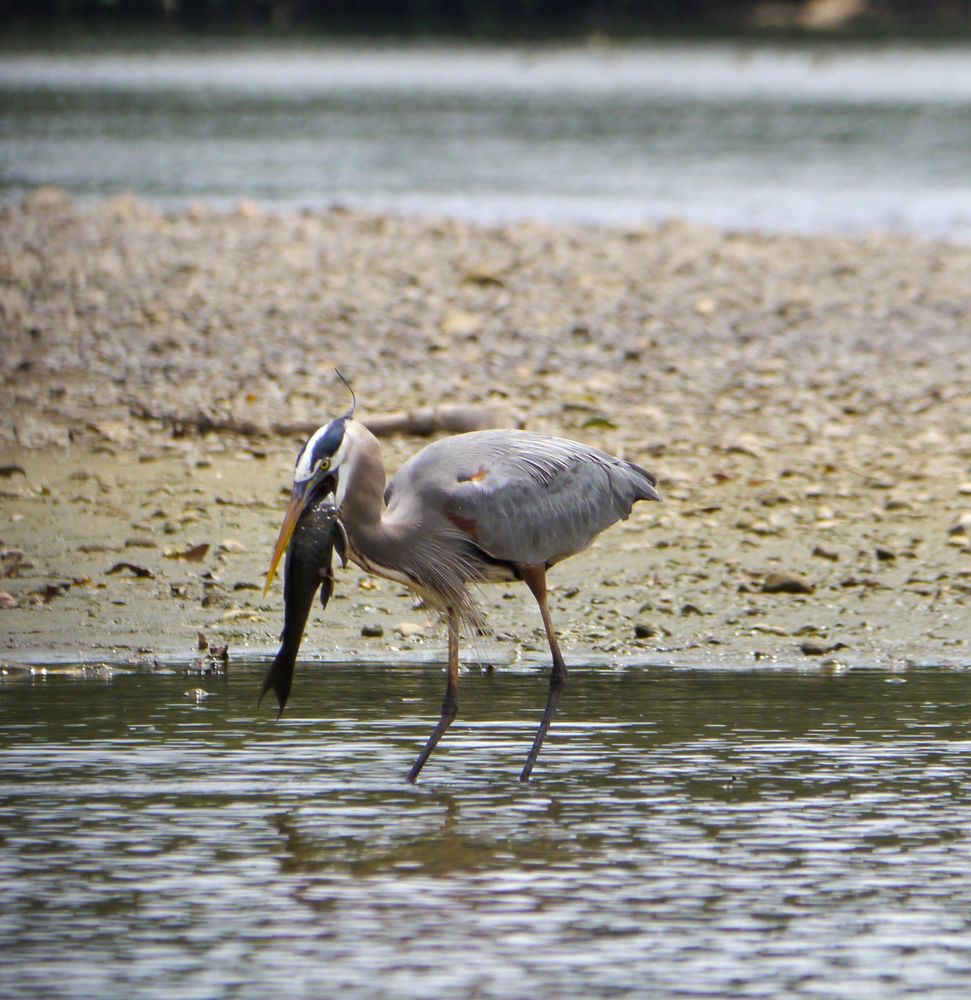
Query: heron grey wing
point(534, 499)
point(534, 522)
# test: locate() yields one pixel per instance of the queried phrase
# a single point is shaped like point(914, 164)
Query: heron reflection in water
point(485, 506)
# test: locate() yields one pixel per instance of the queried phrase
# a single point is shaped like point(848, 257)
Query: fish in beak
point(300, 499)
point(318, 534)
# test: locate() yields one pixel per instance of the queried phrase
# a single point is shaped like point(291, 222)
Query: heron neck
point(372, 540)
point(361, 497)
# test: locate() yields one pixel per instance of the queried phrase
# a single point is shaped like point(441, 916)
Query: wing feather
point(522, 497)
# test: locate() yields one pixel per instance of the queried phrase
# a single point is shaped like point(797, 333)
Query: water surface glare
point(688, 833)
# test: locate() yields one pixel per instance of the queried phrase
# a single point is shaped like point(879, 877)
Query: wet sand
point(805, 402)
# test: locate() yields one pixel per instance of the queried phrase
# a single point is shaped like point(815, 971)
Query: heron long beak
point(298, 501)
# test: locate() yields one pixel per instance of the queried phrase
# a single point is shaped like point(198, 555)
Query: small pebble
point(785, 583)
point(409, 630)
point(811, 648)
point(820, 553)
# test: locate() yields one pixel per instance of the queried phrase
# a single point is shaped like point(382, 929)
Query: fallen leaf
point(865, 582)
point(142, 572)
point(822, 553)
point(484, 277)
point(820, 649)
point(195, 553)
point(243, 615)
point(140, 543)
point(768, 629)
point(48, 592)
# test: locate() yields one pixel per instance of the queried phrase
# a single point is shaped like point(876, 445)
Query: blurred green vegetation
point(497, 18)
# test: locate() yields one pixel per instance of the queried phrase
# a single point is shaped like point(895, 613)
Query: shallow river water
point(820, 138)
point(687, 833)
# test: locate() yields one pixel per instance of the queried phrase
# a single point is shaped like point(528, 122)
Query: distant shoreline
point(72, 37)
point(244, 206)
point(752, 23)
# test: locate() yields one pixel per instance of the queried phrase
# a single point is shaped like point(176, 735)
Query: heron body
point(496, 505)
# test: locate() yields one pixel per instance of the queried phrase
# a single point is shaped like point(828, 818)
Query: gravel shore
point(805, 402)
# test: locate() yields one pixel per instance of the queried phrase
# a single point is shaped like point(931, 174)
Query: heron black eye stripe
point(327, 444)
point(320, 448)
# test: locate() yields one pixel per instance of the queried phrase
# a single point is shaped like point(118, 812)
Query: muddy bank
point(806, 403)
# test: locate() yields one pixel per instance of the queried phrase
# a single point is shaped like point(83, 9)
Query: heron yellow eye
point(323, 465)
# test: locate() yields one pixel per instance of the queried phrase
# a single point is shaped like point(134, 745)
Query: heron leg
point(450, 704)
point(535, 578)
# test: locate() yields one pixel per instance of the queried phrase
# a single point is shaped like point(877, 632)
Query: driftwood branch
point(420, 422)
point(431, 419)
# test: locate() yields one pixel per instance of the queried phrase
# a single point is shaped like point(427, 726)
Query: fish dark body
point(308, 567)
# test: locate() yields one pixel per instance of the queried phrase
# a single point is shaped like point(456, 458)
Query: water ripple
point(714, 838)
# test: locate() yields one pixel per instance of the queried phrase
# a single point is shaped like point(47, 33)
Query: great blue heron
point(484, 506)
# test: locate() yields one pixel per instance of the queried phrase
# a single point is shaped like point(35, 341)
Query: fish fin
point(280, 678)
point(340, 542)
point(326, 586)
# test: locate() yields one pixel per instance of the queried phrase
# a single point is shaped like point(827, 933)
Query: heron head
point(315, 475)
